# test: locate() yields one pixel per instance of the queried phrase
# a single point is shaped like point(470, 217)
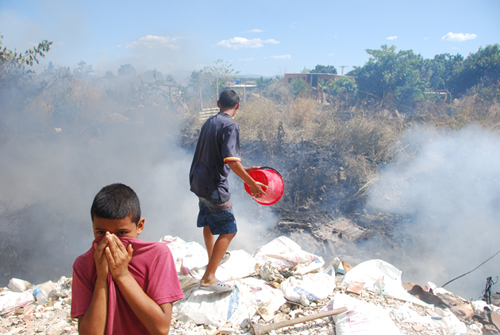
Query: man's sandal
point(220, 286)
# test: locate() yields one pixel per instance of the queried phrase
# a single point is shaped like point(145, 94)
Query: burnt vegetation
point(328, 141)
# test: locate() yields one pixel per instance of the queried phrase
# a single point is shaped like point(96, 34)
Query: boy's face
point(120, 227)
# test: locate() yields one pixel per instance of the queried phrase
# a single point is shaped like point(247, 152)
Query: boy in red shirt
point(123, 285)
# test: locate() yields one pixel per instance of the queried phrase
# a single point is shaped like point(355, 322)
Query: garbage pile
point(37, 309)
point(281, 289)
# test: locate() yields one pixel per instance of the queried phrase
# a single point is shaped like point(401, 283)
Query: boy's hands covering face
point(118, 257)
point(101, 262)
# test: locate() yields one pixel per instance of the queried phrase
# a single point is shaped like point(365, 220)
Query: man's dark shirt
point(219, 143)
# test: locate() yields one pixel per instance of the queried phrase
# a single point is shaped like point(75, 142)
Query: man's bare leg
point(209, 240)
point(219, 249)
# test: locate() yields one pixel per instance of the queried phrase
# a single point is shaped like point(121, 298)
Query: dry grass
point(364, 138)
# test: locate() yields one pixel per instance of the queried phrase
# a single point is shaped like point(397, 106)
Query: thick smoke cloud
point(49, 177)
point(448, 185)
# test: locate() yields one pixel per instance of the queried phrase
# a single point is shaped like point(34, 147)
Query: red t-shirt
point(152, 266)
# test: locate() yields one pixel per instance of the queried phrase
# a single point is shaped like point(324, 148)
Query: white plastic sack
point(313, 287)
point(192, 259)
point(11, 300)
point(216, 308)
point(380, 277)
point(266, 299)
point(361, 318)
point(284, 253)
point(187, 255)
point(19, 285)
point(239, 265)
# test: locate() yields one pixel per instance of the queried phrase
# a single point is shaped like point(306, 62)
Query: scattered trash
point(311, 287)
point(355, 287)
point(380, 277)
point(281, 289)
point(362, 318)
point(261, 329)
point(283, 253)
point(9, 301)
point(40, 297)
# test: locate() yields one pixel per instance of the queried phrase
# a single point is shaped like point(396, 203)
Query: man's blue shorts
point(217, 215)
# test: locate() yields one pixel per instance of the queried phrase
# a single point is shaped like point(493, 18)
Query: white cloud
point(244, 43)
point(458, 37)
point(392, 37)
point(246, 59)
point(331, 55)
point(151, 42)
point(256, 31)
point(282, 57)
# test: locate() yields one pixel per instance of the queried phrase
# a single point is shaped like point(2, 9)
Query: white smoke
point(60, 171)
point(448, 184)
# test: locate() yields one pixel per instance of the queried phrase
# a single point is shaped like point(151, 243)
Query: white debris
point(259, 299)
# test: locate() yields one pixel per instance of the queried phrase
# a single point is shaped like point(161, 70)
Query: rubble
point(280, 282)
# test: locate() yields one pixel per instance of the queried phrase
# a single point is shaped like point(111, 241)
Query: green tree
point(443, 72)
point(324, 69)
point(344, 89)
point(201, 84)
point(263, 84)
point(299, 88)
point(12, 63)
point(222, 72)
point(392, 77)
point(126, 70)
point(83, 70)
point(480, 69)
point(322, 87)
point(29, 57)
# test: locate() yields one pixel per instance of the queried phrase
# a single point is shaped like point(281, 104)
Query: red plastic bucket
point(274, 182)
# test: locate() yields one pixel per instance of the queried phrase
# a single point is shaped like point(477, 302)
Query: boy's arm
point(156, 318)
point(256, 188)
point(94, 319)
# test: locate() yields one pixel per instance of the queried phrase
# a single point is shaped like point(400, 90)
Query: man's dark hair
point(116, 202)
point(229, 98)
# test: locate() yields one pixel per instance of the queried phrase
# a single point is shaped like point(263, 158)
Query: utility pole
point(342, 67)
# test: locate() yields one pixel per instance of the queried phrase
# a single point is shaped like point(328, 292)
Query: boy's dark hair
point(229, 98)
point(116, 202)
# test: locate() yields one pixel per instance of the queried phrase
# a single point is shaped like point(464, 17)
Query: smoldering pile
point(280, 282)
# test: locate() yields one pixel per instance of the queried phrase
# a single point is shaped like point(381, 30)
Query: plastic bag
point(19, 285)
point(12, 300)
point(380, 277)
point(361, 318)
point(187, 255)
point(282, 253)
point(311, 287)
point(215, 308)
point(265, 298)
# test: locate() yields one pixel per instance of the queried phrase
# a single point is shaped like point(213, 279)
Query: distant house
point(241, 88)
point(312, 78)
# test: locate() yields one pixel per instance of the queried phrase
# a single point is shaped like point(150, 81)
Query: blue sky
point(257, 37)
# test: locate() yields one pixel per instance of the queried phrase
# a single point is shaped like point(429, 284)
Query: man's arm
point(256, 188)
point(94, 320)
point(154, 317)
